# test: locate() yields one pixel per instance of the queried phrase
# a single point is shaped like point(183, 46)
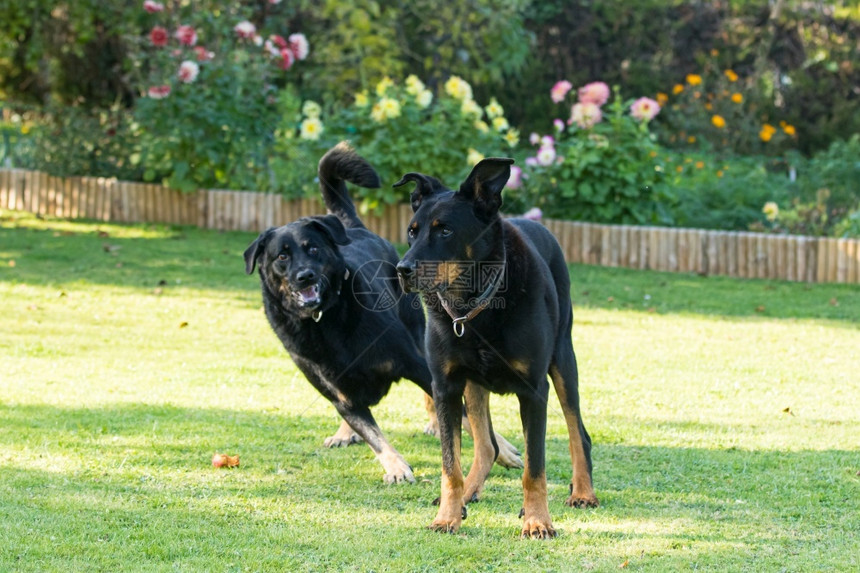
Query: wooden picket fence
point(736, 254)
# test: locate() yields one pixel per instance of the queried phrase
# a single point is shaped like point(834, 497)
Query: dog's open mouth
point(308, 296)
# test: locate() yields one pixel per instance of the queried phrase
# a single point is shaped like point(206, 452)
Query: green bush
point(602, 166)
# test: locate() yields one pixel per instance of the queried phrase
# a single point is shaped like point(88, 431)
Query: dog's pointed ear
point(424, 187)
point(331, 226)
point(483, 187)
point(252, 253)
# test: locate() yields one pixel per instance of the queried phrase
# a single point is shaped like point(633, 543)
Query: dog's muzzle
point(406, 276)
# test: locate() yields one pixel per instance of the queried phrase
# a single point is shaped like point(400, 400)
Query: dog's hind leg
point(565, 380)
point(361, 420)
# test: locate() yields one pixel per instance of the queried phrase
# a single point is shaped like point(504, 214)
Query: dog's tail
point(339, 165)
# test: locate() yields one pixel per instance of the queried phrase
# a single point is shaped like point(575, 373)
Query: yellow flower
point(25, 129)
point(424, 98)
point(765, 135)
point(512, 137)
point(719, 173)
point(482, 126)
point(311, 128)
point(677, 89)
point(733, 77)
point(662, 98)
point(311, 109)
point(414, 86)
point(457, 87)
point(708, 106)
point(700, 164)
point(500, 124)
point(691, 139)
point(771, 210)
point(652, 155)
point(737, 98)
point(694, 79)
point(494, 110)
point(789, 130)
point(687, 160)
point(718, 121)
point(390, 107)
point(470, 108)
point(679, 169)
point(383, 86)
point(361, 99)
point(474, 156)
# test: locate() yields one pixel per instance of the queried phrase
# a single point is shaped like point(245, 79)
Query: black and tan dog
point(331, 294)
point(497, 294)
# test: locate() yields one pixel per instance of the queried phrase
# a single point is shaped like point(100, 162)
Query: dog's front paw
point(345, 436)
point(396, 470)
point(582, 501)
point(537, 528)
point(445, 523)
point(509, 456)
point(432, 428)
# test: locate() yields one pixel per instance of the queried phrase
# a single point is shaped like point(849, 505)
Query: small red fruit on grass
point(225, 461)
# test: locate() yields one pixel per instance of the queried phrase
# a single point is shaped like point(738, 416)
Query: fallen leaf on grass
point(225, 461)
point(12, 263)
point(834, 302)
point(625, 564)
point(787, 411)
point(183, 324)
point(759, 308)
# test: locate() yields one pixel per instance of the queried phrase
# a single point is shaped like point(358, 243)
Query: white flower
point(311, 128)
point(245, 29)
point(188, 71)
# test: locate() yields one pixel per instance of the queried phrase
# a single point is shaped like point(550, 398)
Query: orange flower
point(718, 121)
point(733, 77)
point(719, 173)
point(708, 106)
point(691, 139)
point(694, 79)
point(789, 130)
point(652, 155)
point(765, 135)
point(677, 89)
point(700, 164)
point(737, 98)
point(715, 52)
point(679, 169)
point(662, 98)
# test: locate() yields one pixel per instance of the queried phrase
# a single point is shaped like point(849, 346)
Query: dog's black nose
point(405, 269)
point(306, 276)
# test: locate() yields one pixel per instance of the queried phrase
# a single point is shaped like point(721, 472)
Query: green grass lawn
point(725, 416)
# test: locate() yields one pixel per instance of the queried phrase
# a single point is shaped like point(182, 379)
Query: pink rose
point(644, 109)
point(559, 91)
point(533, 214)
point(287, 58)
point(158, 92)
point(186, 35)
point(515, 181)
point(203, 55)
point(299, 45)
point(595, 92)
point(158, 37)
point(245, 30)
point(188, 71)
point(153, 7)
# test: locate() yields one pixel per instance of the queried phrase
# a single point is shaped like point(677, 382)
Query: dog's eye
point(282, 257)
point(446, 232)
point(312, 251)
point(411, 232)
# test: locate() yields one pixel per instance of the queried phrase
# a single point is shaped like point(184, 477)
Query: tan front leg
point(478, 413)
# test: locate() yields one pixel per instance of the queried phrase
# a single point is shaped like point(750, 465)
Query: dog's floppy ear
point(424, 187)
point(483, 187)
point(331, 226)
point(255, 248)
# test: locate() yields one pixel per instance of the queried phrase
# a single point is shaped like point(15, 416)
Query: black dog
point(497, 294)
point(331, 294)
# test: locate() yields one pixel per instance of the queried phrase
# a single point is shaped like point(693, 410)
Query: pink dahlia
point(644, 109)
point(299, 45)
point(515, 181)
point(153, 7)
point(245, 30)
point(158, 37)
point(559, 125)
point(158, 92)
point(186, 35)
point(559, 91)
point(188, 71)
point(595, 92)
point(585, 115)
